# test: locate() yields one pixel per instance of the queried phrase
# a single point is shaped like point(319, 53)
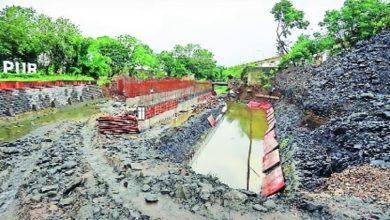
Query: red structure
point(273, 182)
point(41, 84)
point(127, 124)
point(159, 108)
point(132, 87)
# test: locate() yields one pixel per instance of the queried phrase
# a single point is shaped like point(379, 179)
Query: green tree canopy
point(356, 20)
point(58, 47)
point(288, 18)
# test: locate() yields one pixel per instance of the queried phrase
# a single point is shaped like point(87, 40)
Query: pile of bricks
point(118, 125)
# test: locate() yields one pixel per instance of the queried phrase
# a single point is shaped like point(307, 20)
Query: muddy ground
point(67, 170)
point(333, 129)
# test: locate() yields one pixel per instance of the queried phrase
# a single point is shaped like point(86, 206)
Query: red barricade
point(39, 84)
point(132, 87)
point(270, 144)
point(270, 160)
point(273, 182)
point(260, 105)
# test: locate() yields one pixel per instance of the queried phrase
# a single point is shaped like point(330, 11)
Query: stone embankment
point(15, 101)
point(337, 116)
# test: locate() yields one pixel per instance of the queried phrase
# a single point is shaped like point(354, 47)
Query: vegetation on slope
point(355, 21)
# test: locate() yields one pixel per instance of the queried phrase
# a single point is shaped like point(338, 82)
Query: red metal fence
point(39, 84)
point(131, 87)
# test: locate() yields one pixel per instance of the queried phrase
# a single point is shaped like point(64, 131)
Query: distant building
point(271, 62)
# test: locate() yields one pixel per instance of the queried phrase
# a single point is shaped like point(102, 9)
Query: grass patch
point(221, 89)
point(103, 81)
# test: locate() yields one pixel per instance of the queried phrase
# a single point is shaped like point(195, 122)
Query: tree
point(16, 24)
point(112, 48)
point(92, 62)
point(196, 60)
point(66, 35)
point(357, 20)
point(143, 59)
point(171, 65)
point(287, 18)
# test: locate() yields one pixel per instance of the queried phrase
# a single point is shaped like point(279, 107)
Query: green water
point(233, 151)
point(15, 129)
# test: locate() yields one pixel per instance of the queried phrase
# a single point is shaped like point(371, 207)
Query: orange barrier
point(131, 87)
point(270, 160)
point(39, 84)
point(270, 134)
point(270, 144)
point(212, 121)
point(261, 105)
point(273, 182)
point(271, 126)
point(159, 108)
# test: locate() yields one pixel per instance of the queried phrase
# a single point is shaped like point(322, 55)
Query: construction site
point(96, 123)
point(173, 149)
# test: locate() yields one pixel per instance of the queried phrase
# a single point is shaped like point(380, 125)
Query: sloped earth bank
point(334, 118)
point(66, 170)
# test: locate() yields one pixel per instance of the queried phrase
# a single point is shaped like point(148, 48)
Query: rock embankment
point(337, 115)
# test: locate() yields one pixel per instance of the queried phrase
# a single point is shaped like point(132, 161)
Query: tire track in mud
point(130, 196)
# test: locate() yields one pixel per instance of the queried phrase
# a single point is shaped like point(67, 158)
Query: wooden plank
point(267, 96)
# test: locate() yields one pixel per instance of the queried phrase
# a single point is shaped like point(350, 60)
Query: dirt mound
point(352, 92)
point(361, 181)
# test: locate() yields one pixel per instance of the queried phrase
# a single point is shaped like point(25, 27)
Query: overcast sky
point(236, 31)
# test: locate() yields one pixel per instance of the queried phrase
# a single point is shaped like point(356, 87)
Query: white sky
point(236, 31)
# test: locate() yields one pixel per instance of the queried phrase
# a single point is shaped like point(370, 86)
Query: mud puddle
point(233, 151)
point(13, 130)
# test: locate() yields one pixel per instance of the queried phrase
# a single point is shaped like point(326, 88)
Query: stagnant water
point(11, 130)
point(233, 151)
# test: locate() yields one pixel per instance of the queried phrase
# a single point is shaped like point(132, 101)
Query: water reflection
point(233, 152)
point(13, 130)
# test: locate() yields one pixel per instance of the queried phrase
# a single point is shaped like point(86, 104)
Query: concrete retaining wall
point(23, 100)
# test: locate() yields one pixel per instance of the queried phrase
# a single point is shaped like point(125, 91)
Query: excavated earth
point(333, 126)
point(67, 170)
point(334, 123)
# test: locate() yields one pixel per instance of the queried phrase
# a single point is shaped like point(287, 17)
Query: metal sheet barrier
point(274, 180)
point(39, 84)
point(131, 87)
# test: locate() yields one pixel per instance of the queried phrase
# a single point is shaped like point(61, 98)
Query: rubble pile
point(365, 182)
point(210, 103)
point(350, 92)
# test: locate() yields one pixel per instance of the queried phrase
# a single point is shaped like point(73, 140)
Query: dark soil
point(337, 116)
